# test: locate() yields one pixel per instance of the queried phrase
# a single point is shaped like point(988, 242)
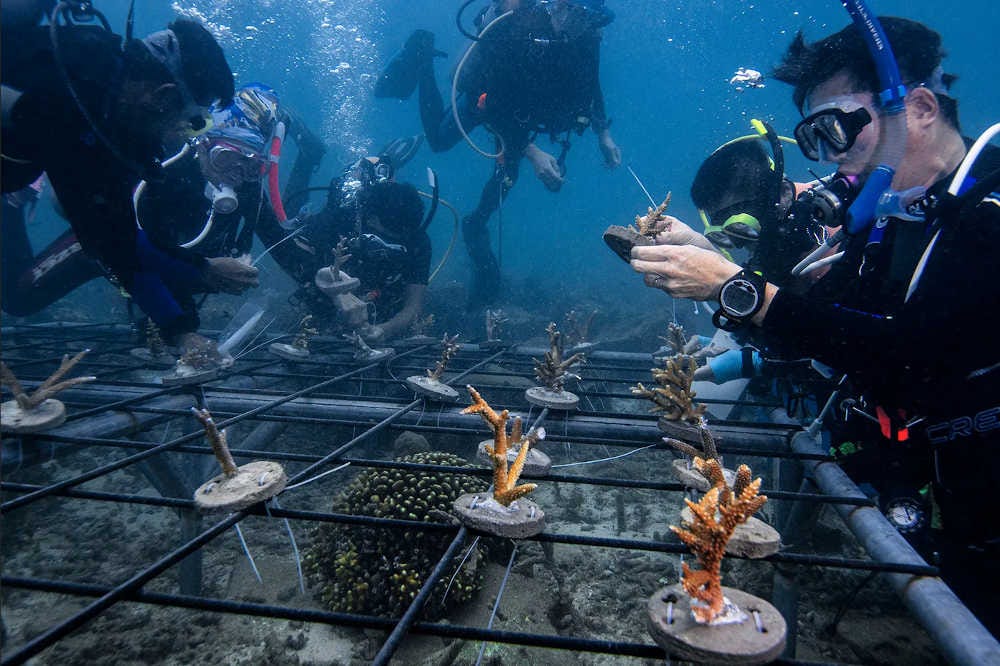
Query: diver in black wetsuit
point(383, 224)
point(93, 116)
point(534, 71)
point(179, 209)
point(906, 311)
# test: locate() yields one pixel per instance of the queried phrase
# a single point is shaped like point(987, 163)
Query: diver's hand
point(546, 167)
point(610, 150)
point(232, 276)
point(683, 271)
point(674, 232)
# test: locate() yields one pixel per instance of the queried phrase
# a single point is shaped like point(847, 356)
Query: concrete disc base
point(163, 360)
point(332, 285)
point(536, 463)
point(374, 356)
point(493, 345)
point(416, 341)
point(752, 539)
point(48, 414)
point(431, 388)
point(288, 352)
point(478, 511)
point(185, 374)
point(685, 472)
point(254, 482)
point(621, 240)
point(682, 430)
point(543, 397)
point(676, 631)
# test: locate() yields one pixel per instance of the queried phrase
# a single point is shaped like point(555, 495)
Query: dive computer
point(740, 298)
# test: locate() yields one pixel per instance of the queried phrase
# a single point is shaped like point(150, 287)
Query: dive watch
point(740, 298)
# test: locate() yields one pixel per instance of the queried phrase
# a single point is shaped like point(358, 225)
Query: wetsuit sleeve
point(419, 265)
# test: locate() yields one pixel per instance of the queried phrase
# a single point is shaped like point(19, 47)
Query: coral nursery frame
point(112, 414)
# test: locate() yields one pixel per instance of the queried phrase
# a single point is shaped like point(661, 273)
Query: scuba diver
point(533, 69)
point(916, 277)
point(92, 111)
point(380, 224)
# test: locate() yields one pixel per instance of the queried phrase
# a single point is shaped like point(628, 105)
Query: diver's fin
point(399, 78)
point(400, 151)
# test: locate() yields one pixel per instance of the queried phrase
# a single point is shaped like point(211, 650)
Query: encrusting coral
point(419, 325)
point(552, 370)
point(649, 224)
point(505, 488)
point(716, 517)
point(674, 397)
point(449, 347)
point(379, 570)
point(48, 388)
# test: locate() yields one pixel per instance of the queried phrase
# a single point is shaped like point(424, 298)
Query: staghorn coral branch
point(449, 347)
point(50, 386)
point(505, 488)
point(648, 224)
point(217, 440)
point(715, 518)
point(340, 257)
point(306, 332)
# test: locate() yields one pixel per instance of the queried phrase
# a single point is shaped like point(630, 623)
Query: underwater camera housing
point(822, 205)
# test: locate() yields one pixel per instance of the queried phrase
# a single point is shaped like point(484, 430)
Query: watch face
point(906, 514)
point(739, 297)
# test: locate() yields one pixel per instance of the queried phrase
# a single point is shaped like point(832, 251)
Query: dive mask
point(833, 126)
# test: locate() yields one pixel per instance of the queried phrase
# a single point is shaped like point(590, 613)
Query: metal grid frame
point(334, 393)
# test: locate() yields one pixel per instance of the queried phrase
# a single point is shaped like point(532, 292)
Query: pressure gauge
point(906, 514)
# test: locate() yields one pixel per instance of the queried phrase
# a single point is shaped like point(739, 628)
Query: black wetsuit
point(521, 79)
point(384, 273)
point(932, 357)
point(94, 187)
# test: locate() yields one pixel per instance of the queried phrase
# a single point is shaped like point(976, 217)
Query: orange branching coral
point(674, 398)
point(449, 347)
point(505, 488)
point(716, 517)
point(46, 389)
point(649, 224)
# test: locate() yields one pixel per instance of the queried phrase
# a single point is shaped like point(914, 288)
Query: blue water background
point(666, 67)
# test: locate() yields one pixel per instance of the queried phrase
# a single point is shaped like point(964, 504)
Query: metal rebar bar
point(417, 605)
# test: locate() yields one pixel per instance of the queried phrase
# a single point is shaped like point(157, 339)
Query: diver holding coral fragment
point(902, 288)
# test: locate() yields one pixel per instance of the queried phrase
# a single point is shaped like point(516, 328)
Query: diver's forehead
point(840, 88)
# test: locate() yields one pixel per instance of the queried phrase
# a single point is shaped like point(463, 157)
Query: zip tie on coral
point(295, 546)
point(670, 612)
point(317, 477)
point(594, 462)
point(458, 569)
point(246, 551)
point(496, 604)
point(757, 622)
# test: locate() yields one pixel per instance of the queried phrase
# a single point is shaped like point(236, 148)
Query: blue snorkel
point(892, 143)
